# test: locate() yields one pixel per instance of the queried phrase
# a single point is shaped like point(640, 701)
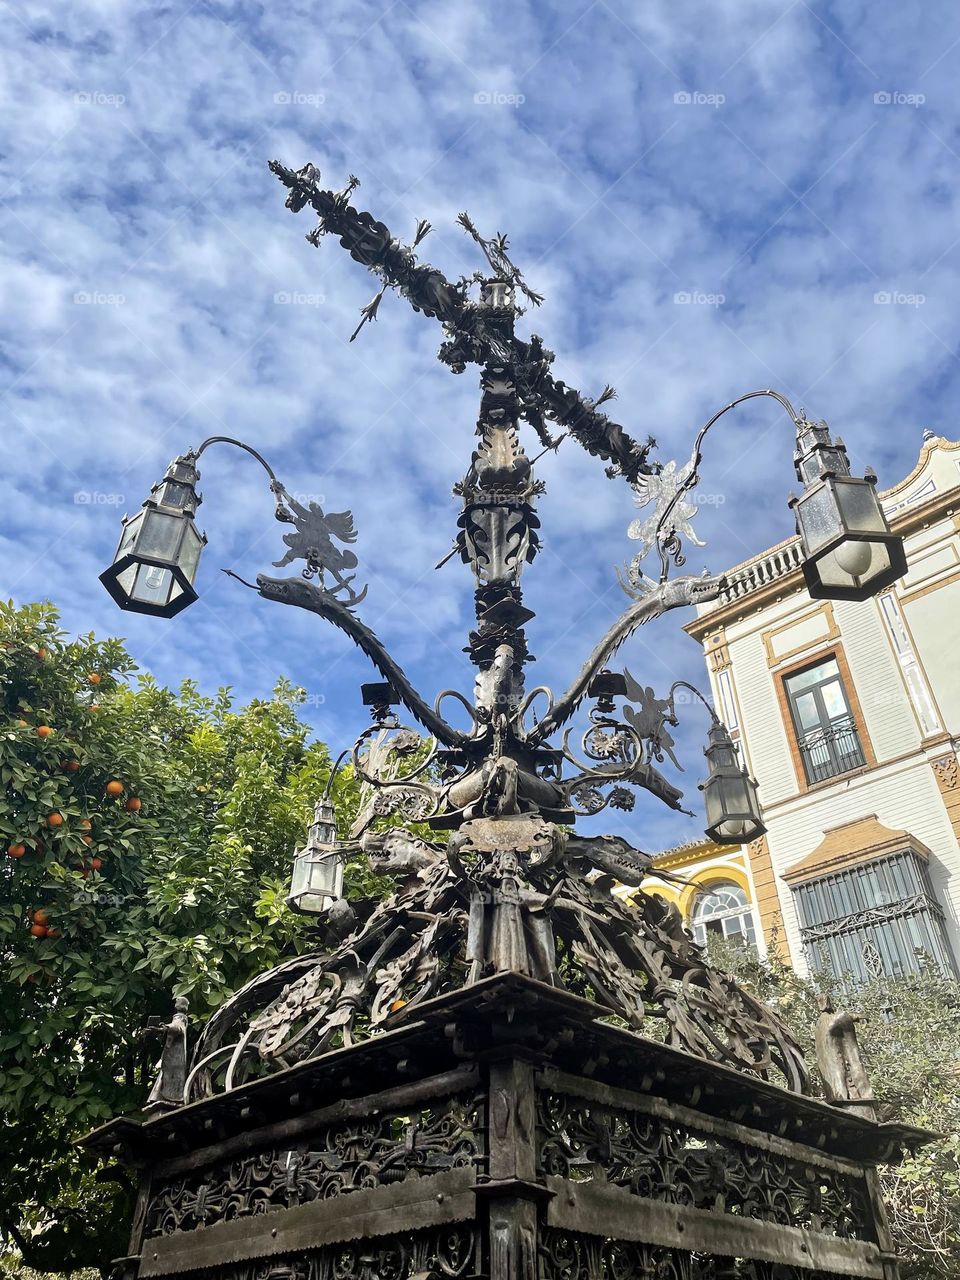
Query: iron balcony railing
point(831, 750)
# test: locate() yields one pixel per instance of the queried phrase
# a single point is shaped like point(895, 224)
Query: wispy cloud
point(778, 164)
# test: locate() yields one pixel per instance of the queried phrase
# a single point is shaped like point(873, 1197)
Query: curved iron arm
point(685, 684)
point(664, 596)
point(664, 545)
point(306, 595)
point(275, 483)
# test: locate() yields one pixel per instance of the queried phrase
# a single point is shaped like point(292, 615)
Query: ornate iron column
point(503, 1070)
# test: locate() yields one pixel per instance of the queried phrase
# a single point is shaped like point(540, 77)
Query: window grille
point(884, 908)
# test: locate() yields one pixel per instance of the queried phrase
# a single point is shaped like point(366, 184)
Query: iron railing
point(829, 751)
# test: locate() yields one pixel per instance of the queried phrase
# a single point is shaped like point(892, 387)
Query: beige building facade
point(848, 715)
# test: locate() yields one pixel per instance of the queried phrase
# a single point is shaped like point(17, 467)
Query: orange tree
point(145, 847)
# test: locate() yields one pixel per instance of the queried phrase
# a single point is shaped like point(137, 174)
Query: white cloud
point(135, 165)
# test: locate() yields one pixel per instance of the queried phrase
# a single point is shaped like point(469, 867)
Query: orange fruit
point(53, 933)
point(44, 731)
point(22, 724)
point(87, 839)
point(86, 824)
point(134, 804)
point(40, 916)
point(94, 677)
point(38, 930)
point(54, 819)
point(94, 706)
point(16, 851)
point(114, 788)
point(41, 653)
point(397, 1005)
point(71, 766)
point(96, 863)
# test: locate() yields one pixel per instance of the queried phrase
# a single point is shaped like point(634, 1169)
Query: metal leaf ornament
point(672, 513)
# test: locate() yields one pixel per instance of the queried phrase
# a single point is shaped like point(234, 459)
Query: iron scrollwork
point(341, 1158)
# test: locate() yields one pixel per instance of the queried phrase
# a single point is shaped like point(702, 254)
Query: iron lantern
point(729, 793)
point(156, 561)
point(849, 550)
point(317, 878)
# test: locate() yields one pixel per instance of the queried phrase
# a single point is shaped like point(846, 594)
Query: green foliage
point(183, 895)
point(909, 1033)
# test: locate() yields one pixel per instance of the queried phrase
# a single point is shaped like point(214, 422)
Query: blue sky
point(783, 163)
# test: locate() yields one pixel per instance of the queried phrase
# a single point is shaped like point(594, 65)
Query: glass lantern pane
point(859, 507)
point(173, 493)
point(818, 518)
point(190, 551)
point(160, 535)
point(326, 876)
point(130, 531)
point(153, 585)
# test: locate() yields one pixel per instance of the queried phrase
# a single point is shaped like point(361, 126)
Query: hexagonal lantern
point(850, 552)
point(317, 878)
point(729, 793)
point(156, 561)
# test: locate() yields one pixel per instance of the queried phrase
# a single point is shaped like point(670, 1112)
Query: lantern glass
point(317, 880)
point(160, 534)
point(730, 798)
point(850, 553)
point(192, 545)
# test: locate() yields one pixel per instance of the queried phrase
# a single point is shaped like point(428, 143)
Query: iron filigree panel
point(342, 1157)
point(567, 1255)
point(677, 1163)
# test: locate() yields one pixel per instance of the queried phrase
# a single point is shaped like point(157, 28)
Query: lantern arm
point(657, 600)
point(672, 515)
point(691, 688)
point(309, 596)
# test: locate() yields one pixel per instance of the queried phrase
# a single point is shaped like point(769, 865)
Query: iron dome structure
point(503, 1070)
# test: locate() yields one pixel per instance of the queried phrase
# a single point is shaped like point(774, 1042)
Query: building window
point(723, 910)
point(879, 916)
point(826, 732)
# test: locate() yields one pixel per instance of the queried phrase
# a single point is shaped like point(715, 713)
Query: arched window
point(723, 909)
